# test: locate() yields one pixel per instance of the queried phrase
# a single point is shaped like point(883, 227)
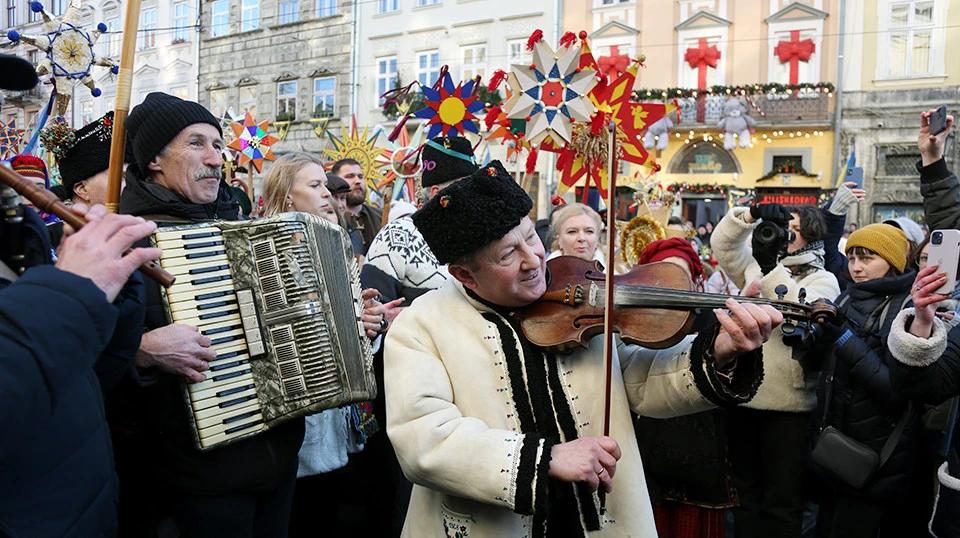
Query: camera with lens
point(936, 238)
point(771, 234)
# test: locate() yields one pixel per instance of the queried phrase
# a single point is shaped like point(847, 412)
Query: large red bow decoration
point(613, 65)
point(700, 58)
point(794, 51)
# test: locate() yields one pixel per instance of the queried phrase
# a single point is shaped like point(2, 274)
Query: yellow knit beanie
point(889, 242)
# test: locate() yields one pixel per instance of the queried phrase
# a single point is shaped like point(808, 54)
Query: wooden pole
point(122, 105)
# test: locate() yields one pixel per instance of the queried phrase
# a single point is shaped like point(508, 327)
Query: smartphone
point(938, 121)
point(945, 253)
point(855, 175)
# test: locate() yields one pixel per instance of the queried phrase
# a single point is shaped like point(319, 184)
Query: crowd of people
point(753, 420)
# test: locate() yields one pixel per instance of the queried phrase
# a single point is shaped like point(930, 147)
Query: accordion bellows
point(280, 299)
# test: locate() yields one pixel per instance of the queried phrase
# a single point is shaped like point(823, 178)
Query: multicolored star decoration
point(69, 49)
point(550, 94)
point(450, 110)
point(585, 151)
point(10, 138)
point(401, 161)
point(252, 141)
point(362, 147)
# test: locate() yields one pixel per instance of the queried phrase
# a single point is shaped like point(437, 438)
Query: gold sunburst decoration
point(361, 147)
point(637, 235)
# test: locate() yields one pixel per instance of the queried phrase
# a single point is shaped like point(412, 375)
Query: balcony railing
point(25, 98)
point(778, 108)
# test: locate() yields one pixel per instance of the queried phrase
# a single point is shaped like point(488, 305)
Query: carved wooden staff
point(122, 105)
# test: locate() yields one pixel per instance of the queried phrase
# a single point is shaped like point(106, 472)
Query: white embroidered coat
point(453, 421)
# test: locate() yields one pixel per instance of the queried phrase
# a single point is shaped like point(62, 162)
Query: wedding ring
point(600, 472)
point(917, 287)
point(383, 323)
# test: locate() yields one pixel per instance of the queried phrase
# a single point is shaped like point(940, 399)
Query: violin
point(654, 305)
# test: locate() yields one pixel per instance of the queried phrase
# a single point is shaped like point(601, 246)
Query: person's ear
point(80, 189)
point(434, 189)
point(154, 165)
point(463, 275)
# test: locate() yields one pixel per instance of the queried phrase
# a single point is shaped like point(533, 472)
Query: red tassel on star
point(492, 116)
point(598, 123)
point(537, 35)
point(532, 161)
point(568, 39)
point(396, 130)
point(498, 77)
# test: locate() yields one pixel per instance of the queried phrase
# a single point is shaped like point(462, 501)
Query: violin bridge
point(594, 293)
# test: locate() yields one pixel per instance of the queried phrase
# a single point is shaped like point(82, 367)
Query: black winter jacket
point(258, 463)
point(862, 404)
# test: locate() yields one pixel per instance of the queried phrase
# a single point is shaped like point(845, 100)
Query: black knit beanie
point(445, 158)
point(472, 213)
point(90, 153)
point(159, 119)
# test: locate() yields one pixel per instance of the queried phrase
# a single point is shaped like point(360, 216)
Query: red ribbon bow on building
point(794, 51)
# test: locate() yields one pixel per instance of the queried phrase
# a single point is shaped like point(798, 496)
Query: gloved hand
point(766, 255)
point(771, 212)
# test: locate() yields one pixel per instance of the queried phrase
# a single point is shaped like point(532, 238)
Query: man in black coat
point(245, 488)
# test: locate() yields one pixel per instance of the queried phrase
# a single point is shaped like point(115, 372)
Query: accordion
point(280, 300)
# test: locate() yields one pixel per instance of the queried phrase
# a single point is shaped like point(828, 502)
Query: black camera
point(771, 234)
point(936, 238)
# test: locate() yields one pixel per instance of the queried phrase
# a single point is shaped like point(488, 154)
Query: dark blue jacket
point(56, 462)
point(834, 260)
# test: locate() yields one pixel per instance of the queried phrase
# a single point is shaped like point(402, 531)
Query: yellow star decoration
point(361, 147)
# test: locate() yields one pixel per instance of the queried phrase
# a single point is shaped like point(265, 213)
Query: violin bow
point(608, 302)
point(122, 105)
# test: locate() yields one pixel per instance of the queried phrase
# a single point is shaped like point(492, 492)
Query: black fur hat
point(472, 213)
point(88, 155)
point(445, 158)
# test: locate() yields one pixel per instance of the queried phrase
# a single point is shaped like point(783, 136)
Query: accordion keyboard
point(225, 405)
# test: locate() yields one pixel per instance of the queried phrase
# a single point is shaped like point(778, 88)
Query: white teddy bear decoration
point(736, 124)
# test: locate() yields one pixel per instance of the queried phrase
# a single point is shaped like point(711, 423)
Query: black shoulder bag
point(845, 458)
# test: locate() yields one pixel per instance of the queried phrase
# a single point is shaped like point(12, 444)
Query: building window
point(289, 11)
point(780, 161)
point(248, 100)
point(11, 13)
point(113, 41)
point(287, 101)
point(58, 7)
point(517, 53)
point(181, 19)
point(180, 93)
point(386, 76)
point(220, 25)
point(421, 3)
point(249, 15)
point(86, 112)
point(473, 61)
point(388, 6)
point(326, 8)
point(428, 67)
point(690, 77)
point(614, 2)
point(324, 97)
point(911, 39)
point(897, 162)
point(218, 102)
point(148, 28)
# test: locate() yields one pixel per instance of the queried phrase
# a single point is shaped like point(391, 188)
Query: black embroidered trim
point(541, 504)
point(564, 414)
point(746, 378)
point(589, 508)
point(523, 503)
point(515, 370)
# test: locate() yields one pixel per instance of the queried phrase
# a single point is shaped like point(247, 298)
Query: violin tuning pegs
point(802, 296)
point(781, 291)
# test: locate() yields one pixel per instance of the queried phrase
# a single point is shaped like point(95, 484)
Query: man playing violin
point(503, 438)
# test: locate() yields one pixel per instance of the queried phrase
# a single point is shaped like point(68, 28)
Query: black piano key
point(199, 235)
point(224, 340)
point(228, 355)
point(218, 304)
point(228, 392)
point(241, 416)
point(213, 295)
point(231, 375)
point(210, 279)
point(197, 255)
point(212, 268)
point(231, 403)
point(219, 367)
point(236, 429)
point(202, 245)
point(219, 330)
point(214, 315)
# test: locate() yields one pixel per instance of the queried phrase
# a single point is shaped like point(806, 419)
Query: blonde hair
point(566, 213)
point(281, 178)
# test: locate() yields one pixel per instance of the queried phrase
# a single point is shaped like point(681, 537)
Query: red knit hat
point(28, 165)
point(675, 246)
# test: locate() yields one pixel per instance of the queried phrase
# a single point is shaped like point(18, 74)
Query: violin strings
point(667, 298)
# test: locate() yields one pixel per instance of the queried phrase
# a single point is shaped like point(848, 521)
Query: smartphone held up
point(945, 253)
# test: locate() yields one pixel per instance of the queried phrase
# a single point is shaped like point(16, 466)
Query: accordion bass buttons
point(251, 323)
